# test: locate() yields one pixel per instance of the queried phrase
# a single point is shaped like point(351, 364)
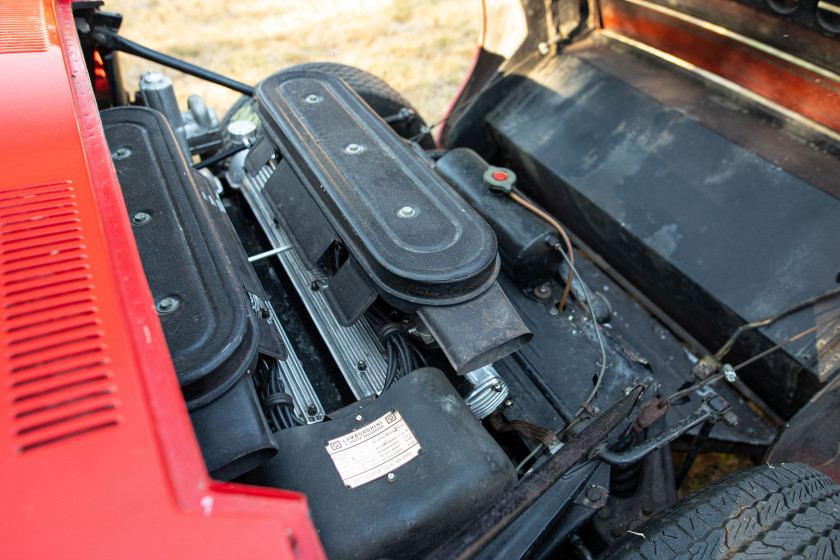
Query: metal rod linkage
point(109, 39)
point(277, 251)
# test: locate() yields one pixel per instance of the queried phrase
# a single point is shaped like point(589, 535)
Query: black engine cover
point(192, 258)
point(350, 191)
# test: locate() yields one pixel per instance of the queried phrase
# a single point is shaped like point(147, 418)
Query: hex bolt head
point(354, 148)
point(406, 212)
point(361, 365)
point(312, 98)
point(311, 410)
point(167, 305)
point(552, 310)
point(359, 419)
point(593, 493)
point(140, 218)
point(391, 477)
point(543, 291)
point(730, 418)
point(729, 373)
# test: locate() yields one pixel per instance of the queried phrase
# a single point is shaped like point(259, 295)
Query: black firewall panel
point(715, 235)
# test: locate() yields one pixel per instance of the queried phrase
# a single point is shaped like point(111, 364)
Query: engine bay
point(408, 335)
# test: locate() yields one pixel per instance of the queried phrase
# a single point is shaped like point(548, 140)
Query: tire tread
point(770, 511)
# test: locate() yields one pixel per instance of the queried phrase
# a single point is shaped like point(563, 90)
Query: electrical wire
point(569, 257)
point(403, 356)
point(277, 404)
point(600, 377)
point(541, 447)
point(529, 456)
point(788, 341)
point(528, 205)
point(474, 97)
point(718, 376)
point(719, 355)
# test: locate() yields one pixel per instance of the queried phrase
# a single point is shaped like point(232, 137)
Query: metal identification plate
point(374, 450)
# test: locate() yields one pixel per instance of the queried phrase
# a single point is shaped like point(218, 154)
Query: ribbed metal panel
point(356, 349)
point(55, 362)
point(23, 27)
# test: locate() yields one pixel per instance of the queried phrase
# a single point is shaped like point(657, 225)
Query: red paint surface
point(97, 454)
point(811, 95)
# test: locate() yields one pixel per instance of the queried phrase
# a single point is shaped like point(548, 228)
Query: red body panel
point(98, 454)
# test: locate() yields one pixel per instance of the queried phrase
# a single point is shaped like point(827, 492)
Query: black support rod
point(660, 440)
point(112, 40)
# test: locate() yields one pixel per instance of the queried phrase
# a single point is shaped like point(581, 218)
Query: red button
point(500, 176)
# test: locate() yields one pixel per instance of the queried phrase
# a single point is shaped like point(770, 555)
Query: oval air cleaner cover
point(355, 196)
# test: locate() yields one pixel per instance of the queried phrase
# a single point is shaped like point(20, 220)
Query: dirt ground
point(421, 48)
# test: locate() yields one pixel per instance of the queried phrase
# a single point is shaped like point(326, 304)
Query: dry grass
point(422, 48)
point(709, 467)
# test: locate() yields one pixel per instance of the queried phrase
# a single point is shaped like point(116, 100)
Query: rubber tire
point(789, 510)
point(382, 98)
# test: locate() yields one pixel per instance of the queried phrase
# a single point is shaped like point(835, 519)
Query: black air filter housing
point(353, 194)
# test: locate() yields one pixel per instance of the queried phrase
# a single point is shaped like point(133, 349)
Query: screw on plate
point(509, 403)
point(311, 409)
point(140, 218)
point(496, 387)
point(354, 148)
point(167, 305)
point(361, 365)
point(552, 310)
point(593, 493)
point(121, 153)
point(312, 98)
point(359, 419)
point(391, 477)
point(406, 212)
